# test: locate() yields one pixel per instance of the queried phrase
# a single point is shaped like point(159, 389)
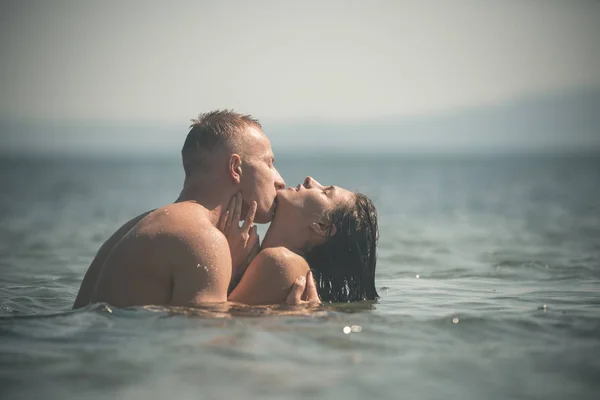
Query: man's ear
point(235, 167)
point(321, 228)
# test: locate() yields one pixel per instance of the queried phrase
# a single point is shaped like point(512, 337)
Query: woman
point(327, 230)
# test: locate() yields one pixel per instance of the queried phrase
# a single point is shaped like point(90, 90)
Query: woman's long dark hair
point(344, 266)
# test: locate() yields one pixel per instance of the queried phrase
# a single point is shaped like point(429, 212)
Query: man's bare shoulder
point(194, 250)
point(182, 228)
point(177, 219)
point(122, 231)
point(174, 255)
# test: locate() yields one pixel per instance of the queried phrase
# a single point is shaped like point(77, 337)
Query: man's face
point(260, 179)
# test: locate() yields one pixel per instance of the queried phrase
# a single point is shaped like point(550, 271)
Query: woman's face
point(309, 201)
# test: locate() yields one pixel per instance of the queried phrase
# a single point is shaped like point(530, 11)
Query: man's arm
point(201, 268)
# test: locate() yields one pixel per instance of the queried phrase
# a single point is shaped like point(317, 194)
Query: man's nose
point(279, 182)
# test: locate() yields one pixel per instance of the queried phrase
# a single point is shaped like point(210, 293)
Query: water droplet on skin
point(347, 330)
point(455, 321)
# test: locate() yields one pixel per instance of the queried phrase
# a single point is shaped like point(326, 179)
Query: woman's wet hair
point(344, 266)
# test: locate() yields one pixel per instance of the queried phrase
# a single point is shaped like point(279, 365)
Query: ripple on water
point(491, 241)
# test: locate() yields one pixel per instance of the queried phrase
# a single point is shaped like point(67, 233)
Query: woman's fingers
point(229, 212)
point(310, 294)
point(303, 287)
point(237, 212)
point(252, 238)
point(295, 296)
point(253, 244)
point(249, 217)
point(223, 221)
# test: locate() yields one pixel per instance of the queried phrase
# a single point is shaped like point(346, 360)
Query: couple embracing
point(321, 242)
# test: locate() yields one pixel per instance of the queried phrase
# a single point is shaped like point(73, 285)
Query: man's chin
point(264, 217)
point(267, 216)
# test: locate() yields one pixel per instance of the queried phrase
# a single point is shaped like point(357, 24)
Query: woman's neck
point(279, 235)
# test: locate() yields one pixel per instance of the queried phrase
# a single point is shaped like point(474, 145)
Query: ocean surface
point(488, 271)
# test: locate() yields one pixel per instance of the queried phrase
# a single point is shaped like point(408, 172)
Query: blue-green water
point(488, 271)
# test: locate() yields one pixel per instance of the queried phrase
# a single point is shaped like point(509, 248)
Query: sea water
point(488, 272)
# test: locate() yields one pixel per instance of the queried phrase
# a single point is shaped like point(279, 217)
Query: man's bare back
point(91, 276)
point(170, 256)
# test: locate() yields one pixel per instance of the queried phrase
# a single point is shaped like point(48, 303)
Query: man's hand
point(304, 291)
point(243, 241)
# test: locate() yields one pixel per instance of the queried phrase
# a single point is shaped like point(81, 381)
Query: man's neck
point(210, 193)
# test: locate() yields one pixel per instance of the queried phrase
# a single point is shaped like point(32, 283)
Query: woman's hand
point(243, 241)
point(304, 291)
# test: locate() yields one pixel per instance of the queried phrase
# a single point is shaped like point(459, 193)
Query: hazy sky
point(165, 61)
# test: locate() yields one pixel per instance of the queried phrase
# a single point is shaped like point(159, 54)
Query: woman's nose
point(309, 182)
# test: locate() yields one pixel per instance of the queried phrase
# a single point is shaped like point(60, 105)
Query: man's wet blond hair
point(210, 130)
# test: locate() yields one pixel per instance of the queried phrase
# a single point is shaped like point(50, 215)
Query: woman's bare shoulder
point(269, 277)
point(284, 261)
point(282, 255)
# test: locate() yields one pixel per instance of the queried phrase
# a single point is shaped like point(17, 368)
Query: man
point(176, 255)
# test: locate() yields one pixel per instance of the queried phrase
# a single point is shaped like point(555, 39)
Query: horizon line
point(293, 152)
point(319, 121)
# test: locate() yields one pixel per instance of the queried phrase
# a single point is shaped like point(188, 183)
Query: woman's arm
point(269, 277)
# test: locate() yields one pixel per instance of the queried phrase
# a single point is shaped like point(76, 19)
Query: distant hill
point(567, 122)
